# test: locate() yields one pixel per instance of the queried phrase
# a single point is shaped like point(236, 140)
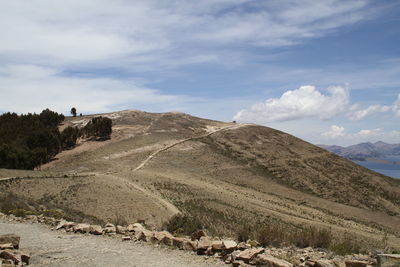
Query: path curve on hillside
point(155, 153)
point(60, 249)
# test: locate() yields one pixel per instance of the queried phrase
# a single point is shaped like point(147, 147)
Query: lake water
point(392, 170)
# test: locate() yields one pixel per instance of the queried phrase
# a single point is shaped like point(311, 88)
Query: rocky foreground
point(229, 251)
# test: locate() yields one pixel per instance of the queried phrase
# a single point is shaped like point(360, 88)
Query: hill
point(226, 176)
point(365, 151)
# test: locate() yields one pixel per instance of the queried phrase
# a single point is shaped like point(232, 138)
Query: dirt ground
point(58, 249)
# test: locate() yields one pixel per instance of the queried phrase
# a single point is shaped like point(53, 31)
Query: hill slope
point(224, 174)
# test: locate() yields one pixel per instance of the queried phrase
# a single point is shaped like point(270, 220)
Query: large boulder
point(248, 254)
point(217, 245)
point(96, 230)
point(269, 261)
point(82, 228)
point(10, 239)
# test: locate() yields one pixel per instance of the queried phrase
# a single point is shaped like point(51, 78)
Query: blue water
point(392, 170)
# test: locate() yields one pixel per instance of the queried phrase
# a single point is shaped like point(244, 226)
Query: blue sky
point(325, 71)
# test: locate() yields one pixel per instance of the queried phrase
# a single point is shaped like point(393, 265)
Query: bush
point(98, 128)
point(183, 224)
point(244, 233)
point(270, 234)
point(69, 136)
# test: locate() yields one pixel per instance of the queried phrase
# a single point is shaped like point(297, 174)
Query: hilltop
point(228, 176)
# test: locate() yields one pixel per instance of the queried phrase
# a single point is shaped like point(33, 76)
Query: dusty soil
point(59, 249)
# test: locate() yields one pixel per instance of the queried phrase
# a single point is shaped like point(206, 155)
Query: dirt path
point(144, 162)
point(59, 249)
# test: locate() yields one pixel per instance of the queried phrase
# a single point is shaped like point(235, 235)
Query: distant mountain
point(363, 151)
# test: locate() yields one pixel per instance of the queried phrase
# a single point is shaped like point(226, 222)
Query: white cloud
point(31, 88)
point(334, 132)
point(303, 102)
point(359, 114)
point(369, 133)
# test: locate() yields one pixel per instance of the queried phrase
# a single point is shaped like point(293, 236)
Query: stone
point(209, 251)
point(217, 245)
point(6, 246)
point(252, 243)
point(269, 261)
point(163, 237)
point(126, 238)
point(10, 238)
point(229, 244)
point(198, 234)
point(134, 227)
point(189, 245)
point(240, 264)
point(386, 260)
point(10, 255)
point(242, 246)
point(144, 235)
point(324, 263)
point(82, 228)
point(25, 258)
point(96, 230)
point(249, 254)
point(121, 229)
point(204, 243)
point(355, 263)
point(65, 224)
point(110, 228)
point(7, 263)
point(32, 218)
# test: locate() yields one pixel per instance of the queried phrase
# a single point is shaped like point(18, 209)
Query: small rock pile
point(238, 254)
point(10, 255)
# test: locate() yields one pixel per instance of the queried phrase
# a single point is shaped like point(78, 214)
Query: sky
point(325, 71)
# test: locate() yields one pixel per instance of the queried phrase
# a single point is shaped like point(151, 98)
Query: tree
point(73, 112)
point(99, 128)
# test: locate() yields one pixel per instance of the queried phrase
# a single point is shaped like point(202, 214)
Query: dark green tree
point(73, 111)
point(98, 128)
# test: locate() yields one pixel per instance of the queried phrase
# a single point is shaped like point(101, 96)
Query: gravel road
point(56, 248)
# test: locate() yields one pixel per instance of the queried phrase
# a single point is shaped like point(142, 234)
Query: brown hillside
point(227, 175)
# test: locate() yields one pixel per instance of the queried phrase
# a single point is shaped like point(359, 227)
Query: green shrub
point(98, 128)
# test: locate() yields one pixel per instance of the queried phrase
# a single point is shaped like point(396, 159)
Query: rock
point(189, 245)
point(242, 246)
point(82, 228)
point(25, 258)
point(163, 237)
point(144, 235)
point(269, 261)
point(110, 229)
point(32, 218)
point(96, 230)
point(249, 254)
point(6, 246)
point(134, 227)
point(229, 245)
point(121, 229)
point(204, 243)
point(65, 224)
point(324, 263)
point(10, 255)
point(354, 263)
point(240, 264)
point(7, 263)
point(217, 245)
point(198, 234)
point(126, 238)
point(209, 251)
point(10, 238)
point(178, 242)
point(386, 260)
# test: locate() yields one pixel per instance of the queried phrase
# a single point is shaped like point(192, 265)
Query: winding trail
point(155, 153)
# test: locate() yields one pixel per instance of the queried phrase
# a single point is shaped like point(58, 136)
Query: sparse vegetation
point(183, 224)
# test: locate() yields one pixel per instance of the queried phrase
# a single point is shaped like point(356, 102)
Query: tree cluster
point(99, 128)
point(28, 141)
